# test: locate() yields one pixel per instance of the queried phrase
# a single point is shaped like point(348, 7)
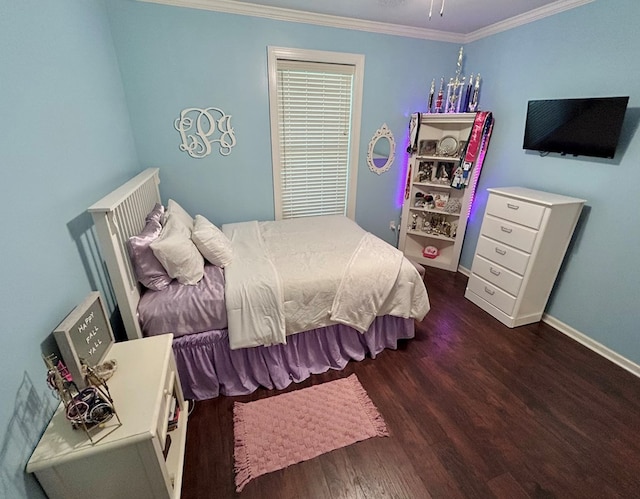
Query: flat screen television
point(581, 127)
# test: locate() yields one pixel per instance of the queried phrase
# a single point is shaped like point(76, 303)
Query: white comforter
point(294, 275)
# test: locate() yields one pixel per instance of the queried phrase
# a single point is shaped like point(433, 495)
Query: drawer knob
point(513, 206)
point(506, 229)
point(501, 251)
point(494, 271)
point(489, 291)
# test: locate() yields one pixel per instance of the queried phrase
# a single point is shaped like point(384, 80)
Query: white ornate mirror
point(382, 150)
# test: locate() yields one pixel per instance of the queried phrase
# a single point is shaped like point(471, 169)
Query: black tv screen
point(581, 127)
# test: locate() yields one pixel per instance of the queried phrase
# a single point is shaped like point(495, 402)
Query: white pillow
point(177, 253)
point(177, 211)
point(211, 242)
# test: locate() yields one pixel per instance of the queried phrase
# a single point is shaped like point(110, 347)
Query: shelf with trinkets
point(434, 213)
point(438, 192)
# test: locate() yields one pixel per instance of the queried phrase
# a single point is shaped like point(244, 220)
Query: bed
point(295, 297)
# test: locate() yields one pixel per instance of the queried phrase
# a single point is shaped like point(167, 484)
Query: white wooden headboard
point(118, 216)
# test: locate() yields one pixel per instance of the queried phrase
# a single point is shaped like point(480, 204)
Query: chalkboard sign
point(84, 336)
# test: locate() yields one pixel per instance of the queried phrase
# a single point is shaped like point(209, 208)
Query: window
point(315, 103)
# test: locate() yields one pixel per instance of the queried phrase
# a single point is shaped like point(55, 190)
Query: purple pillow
point(156, 214)
point(149, 271)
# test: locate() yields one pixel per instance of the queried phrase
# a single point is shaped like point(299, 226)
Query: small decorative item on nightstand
point(85, 337)
point(88, 408)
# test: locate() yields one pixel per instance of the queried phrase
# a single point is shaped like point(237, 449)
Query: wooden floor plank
point(505, 486)
point(474, 409)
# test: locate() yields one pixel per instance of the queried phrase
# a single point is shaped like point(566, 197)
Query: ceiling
point(462, 20)
point(460, 16)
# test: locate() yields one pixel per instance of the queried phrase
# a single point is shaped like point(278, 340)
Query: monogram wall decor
point(201, 128)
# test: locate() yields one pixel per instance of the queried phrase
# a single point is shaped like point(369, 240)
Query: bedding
point(361, 294)
point(287, 277)
point(211, 242)
point(208, 367)
point(156, 214)
point(177, 253)
point(148, 270)
point(185, 309)
point(180, 214)
point(301, 274)
point(253, 291)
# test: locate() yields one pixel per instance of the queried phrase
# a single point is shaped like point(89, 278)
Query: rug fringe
point(377, 421)
point(241, 463)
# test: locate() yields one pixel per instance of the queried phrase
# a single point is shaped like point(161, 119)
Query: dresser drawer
point(495, 274)
point(514, 235)
point(518, 211)
point(504, 255)
point(492, 294)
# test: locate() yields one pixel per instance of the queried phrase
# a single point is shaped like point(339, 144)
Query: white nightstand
point(127, 461)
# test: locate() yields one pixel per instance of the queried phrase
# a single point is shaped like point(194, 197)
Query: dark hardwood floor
point(474, 409)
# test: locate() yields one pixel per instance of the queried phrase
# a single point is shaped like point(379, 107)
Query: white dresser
point(127, 461)
point(523, 240)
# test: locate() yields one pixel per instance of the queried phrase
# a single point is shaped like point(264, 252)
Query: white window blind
point(314, 126)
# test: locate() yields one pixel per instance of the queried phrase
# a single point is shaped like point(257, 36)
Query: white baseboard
point(592, 344)
point(464, 270)
point(583, 339)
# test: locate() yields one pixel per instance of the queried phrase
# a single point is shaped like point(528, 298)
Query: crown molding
point(528, 17)
point(296, 16)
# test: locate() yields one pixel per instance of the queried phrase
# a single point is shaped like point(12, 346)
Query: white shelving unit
point(128, 461)
point(440, 140)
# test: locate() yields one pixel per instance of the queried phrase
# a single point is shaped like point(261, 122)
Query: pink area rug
point(276, 432)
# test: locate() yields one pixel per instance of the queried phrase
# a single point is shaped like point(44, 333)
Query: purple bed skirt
point(208, 367)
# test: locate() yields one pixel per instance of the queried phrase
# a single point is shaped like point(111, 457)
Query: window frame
point(316, 56)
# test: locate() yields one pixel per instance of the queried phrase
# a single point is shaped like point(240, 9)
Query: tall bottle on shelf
point(432, 91)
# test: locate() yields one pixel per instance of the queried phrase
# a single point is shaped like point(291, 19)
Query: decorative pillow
point(156, 214)
point(211, 242)
point(177, 211)
point(149, 271)
point(177, 253)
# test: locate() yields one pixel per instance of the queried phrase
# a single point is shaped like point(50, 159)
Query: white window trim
point(357, 60)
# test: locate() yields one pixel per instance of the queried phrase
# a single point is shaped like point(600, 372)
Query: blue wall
point(172, 58)
point(72, 72)
point(585, 52)
point(65, 142)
